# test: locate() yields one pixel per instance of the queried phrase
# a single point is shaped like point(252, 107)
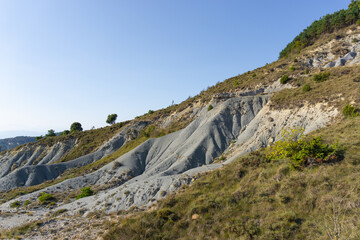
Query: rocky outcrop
point(341, 51)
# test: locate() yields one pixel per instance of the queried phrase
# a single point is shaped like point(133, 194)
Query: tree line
point(326, 24)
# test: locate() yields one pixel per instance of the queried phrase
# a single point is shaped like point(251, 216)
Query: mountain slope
point(159, 153)
point(10, 143)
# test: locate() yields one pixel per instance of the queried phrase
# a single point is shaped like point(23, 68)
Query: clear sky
point(80, 60)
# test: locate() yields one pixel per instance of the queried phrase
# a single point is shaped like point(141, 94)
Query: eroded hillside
point(152, 157)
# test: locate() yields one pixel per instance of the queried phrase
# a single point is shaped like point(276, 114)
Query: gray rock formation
point(28, 174)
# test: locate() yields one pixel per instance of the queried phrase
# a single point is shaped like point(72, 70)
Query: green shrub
point(321, 77)
point(254, 75)
point(51, 133)
point(27, 202)
point(15, 204)
point(302, 152)
point(358, 22)
point(65, 132)
point(284, 79)
point(150, 111)
point(292, 68)
point(85, 192)
point(210, 107)
point(46, 198)
point(235, 83)
point(307, 71)
point(306, 88)
point(350, 111)
point(167, 214)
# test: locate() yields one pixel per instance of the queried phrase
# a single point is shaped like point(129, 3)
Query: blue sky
point(80, 60)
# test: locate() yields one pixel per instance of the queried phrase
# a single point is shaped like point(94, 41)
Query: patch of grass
point(342, 85)
point(18, 232)
point(15, 204)
point(26, 203)
point(306, 88)
point(284, 79)
point(321, 77)
point(350, 111)
point(58, 212)
point(85, 192)
point(210, 107)
point(46, 198)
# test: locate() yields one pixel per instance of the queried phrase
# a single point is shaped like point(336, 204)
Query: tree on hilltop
point(51, 133)
point(111, 118)
point(75, 127)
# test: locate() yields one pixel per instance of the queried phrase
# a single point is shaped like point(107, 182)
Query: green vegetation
point(292, 68)
point(284, 79)
point(85, 192)
point(19, 231)
point(111, 118)
point(343, 82)
point(302, 152)
point(321, 77)
point(65, 132)
point(58, 212)
point(51, 133)
point(254, 198)
point(15, 204)
point(235, 83)
point(350, 111)
point(75, 127)
point(326, 24)
point(26, 203)
point(46, 198)
point(306, 88)
point(38, 138)
point(151, 111)
point(210, 107)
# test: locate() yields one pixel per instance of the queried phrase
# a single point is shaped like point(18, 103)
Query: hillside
point(202, 169)
point(10, 143)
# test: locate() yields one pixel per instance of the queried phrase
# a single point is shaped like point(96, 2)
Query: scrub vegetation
point(258, 198)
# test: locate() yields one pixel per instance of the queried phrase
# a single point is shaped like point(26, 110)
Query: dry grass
point(255, 199)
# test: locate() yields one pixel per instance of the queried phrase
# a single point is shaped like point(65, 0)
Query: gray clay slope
point(28, 174)
point(155, 167)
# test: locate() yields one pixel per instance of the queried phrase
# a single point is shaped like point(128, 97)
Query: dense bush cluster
point(327, 24)
point(284, 79)
point(306, 88)
point(46, 198)
point(321, 77)
point(350, 111)
point(301, 151)
point(85, 192)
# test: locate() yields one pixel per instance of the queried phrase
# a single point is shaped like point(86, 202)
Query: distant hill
point(9, 143)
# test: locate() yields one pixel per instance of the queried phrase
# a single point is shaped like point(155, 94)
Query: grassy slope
point(255, 199)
